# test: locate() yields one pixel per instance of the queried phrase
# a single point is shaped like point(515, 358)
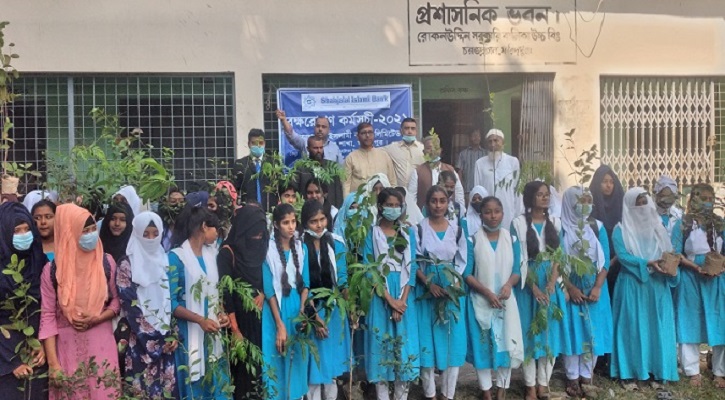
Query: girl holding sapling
point(700, 296)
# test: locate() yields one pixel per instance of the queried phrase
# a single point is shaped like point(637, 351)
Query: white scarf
point(277, 268)
point(570, 222)
point(696, 244)
point(473, 217)
point(493, 269)
point(148, 270)
point(193, 274)
point(520, 228)
point(445, 249)
point(34, 196)
point(644, 235)
point(381, 246)
point(134, 201)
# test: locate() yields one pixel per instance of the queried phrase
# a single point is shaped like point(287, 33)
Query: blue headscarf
point(341, 219)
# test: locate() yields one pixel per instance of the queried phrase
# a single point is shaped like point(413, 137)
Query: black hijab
point(607, 209)
point(116, 245)
point(11, 215)
point(249, 240)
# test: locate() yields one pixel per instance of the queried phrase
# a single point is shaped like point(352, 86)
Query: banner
point(384, 107)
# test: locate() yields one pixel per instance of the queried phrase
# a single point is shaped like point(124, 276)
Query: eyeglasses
point(366, 133)
point(543, 195)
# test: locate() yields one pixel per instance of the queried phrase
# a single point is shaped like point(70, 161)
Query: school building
point(643, 80)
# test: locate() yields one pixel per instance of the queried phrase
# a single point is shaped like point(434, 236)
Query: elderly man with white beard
point(499, 174)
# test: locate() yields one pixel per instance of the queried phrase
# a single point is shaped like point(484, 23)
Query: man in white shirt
point(499, 174)
point(322, 131)
point(407, 153)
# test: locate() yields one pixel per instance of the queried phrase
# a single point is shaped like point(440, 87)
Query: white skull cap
point(495, 132)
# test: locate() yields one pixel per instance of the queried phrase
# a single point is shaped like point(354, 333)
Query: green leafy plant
point(8, 74)
point(453, 292)
point(18, 305)
point(116, 158)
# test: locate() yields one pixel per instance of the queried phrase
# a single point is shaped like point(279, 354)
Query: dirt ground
point(468, 388)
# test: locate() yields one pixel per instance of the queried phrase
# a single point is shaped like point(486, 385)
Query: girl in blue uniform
point(286, 286)
point(328, 270)
point(666, 194)
point(642, 309)
point(588, 308)
point(442, 338)
point(495, 341)
point(392, 324)
point(700, 298)
point(195, 302)
point(538, 232)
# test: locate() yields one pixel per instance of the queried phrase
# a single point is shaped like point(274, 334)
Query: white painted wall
point(254, 37)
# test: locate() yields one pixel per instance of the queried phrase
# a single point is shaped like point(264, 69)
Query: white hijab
point(368, 191)
point(644, 235)
point(571, 219)
point(129, 193)
point(34, 196)
point(382, 178)
point(473, 218)
point(148, 270)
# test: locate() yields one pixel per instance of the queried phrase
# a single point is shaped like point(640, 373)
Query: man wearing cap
point(499, 174)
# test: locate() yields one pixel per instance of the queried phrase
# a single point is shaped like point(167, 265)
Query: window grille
point(273, 82)
point(655, 126)
point(191, 114)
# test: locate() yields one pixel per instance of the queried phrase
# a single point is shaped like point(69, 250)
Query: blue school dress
point(284, 375)
point(384, 338)
point(334, 351)
point(643, 316)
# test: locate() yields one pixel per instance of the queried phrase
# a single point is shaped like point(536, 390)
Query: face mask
point(392, 213)
point(435, 160)
point(89, 241)
point(491, 228)
point(256, 151)
point(314, 234)
point(23, 241)
point(666, 201)
point(408, 139)
point(584, 210)
point(351, 212)
point(477, 206)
